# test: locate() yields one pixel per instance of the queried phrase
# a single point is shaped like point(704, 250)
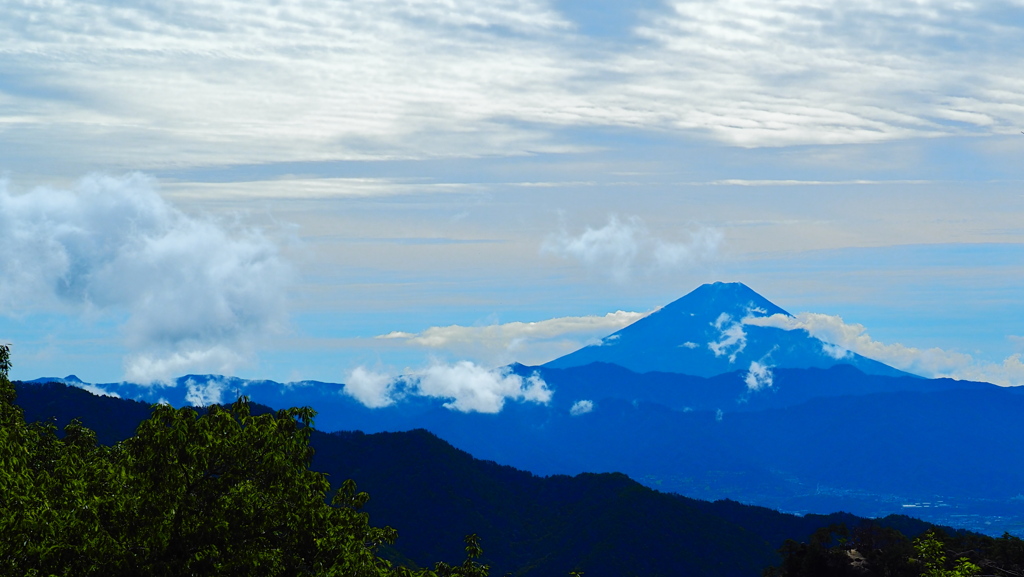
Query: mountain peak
point(734, 299)
point(707, 333)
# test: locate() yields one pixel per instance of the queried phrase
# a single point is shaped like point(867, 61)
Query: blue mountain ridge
point(597, 381)
point(826, 434)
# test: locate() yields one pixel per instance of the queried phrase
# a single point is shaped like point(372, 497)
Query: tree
point(932, 554)
point(469, 568)
point(222, 493)
point(826, 553)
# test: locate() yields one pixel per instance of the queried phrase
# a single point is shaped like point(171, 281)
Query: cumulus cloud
point(195, 294)
point(468, 387)
point(843, 338)
point(581, 407)
point(498, 343)
point(473, 388)
point(758, 377)
point(372, 389)
point(1010, 372)
point(623, 246)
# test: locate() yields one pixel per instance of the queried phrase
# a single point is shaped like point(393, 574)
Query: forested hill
point(434, 494)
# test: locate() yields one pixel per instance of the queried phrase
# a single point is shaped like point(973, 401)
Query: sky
point(320, 190)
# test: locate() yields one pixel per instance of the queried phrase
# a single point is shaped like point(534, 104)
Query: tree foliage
point(870, 551)
point(931, 553)
point(222, 493)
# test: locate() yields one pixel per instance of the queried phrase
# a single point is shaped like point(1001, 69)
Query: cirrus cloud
point(246, 82)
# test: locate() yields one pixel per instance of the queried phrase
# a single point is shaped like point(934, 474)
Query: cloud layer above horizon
point(524, 342)
point(242, 82)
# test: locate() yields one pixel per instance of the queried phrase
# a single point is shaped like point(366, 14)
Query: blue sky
point(264, 188)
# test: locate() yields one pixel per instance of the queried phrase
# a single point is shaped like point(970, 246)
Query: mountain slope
point(868, 454)
point(600, 524)
point(435, 494)
point(704, 334)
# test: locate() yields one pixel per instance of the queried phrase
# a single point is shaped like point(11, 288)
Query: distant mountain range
point(434, 494)
point(669, 401)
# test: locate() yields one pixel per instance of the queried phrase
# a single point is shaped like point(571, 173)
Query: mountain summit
point(711, 331)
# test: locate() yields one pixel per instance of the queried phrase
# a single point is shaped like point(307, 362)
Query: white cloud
point(842, 338)
point(98, 391)
point(764, 73)
point(702, 245)
point(612, 248)
point(505, 334)
point(253, 81)
point(835, 351)
point(581, 407)
point(732, 337)
point(371, 388)
point(498, 343)
point(622, 246)
point(1007, 373)
point(295, 188)
point(162, 367)
point(245, 82)
point(195, 293)
point(473, 388)
point(468, 387)
point(758, 377)
point(609, 340)
point(204, 394)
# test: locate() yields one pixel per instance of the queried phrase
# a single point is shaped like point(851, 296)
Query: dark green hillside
point(219, 494)
point(602, 524)
point(434, 494)
point(776, 527)
point(112, 419)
